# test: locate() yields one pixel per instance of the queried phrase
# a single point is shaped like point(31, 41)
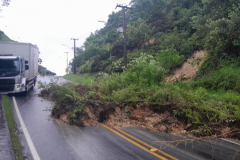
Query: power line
point(89, 31)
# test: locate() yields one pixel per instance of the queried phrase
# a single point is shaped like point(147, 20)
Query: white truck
point(18, 66)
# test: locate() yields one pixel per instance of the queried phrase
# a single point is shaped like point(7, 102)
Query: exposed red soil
point(189, 68)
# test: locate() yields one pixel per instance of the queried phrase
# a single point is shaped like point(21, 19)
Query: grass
point(198, 104)
point(211, 100)
point(16, 144)
point(80, 78)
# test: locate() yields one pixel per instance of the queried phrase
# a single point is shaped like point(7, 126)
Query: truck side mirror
point(26, 62)
point(26, 67)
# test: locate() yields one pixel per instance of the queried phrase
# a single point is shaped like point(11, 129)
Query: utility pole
point(124, 33)
point(74, 66)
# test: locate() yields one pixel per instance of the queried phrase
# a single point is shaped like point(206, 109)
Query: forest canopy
point(178, 27)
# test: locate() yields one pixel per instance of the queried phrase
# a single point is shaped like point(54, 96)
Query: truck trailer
point(18, 67)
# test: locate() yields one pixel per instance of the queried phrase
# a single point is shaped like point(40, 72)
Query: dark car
point(47, 72)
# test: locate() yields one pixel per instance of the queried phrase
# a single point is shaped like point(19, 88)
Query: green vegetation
point(174, 27)
point(82, 79)
point(162, 34)
point(17, 146)
point(3, 37)
point(70, 99)
point(214, 98)
point(40, 67)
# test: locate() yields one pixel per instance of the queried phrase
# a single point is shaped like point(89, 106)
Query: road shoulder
point(6, 149)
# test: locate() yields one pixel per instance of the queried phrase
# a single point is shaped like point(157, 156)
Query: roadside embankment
point(140, 96)
point(179, 114)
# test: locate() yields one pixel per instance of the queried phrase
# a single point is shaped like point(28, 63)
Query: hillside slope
point(188, 69)
point(4, 37)
point(209, 102)
point(166, 29)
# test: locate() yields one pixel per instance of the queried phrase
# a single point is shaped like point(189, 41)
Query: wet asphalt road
point(55, 140)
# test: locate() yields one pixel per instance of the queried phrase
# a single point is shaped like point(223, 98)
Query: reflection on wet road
point(55, 140)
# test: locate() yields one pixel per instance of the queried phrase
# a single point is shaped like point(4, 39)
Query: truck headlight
point(17, 85)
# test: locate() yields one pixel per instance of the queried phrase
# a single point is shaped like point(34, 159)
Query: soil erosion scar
point(139, 145)
point(25, 131)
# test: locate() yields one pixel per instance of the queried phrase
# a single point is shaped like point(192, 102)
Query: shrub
point(226, 78)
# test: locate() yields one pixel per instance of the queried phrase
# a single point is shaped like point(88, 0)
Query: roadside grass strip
point(16, 144)
point(79, 78)
point(152, 149)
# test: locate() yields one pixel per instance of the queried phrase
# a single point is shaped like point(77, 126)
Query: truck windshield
point(9, 67)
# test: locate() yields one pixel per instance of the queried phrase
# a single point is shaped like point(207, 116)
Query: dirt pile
point(142, 116)
point(153, 117)
point(160, 119)
point(189, 68)
point(139, 115)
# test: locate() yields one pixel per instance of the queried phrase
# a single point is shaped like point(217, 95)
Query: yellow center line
point(145, 144)
point(140, 146)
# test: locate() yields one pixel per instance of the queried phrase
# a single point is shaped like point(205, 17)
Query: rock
point(148, 125)
point(155, 115)
point(137, 115)
point(171, 120)
point(183, 131)
point(162, 128)
point(147, 109)
point(138, 107)
point(118, 110)
point(127, 109)
point(188, 125)
point(88, 111)
point(109, 123)
point(111, 116)
point(153, 120)
point(64, 117)
point(148, 113)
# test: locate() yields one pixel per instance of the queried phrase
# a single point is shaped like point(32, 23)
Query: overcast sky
point(50, 24)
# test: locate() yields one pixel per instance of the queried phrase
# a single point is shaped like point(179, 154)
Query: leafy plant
point(203, 131)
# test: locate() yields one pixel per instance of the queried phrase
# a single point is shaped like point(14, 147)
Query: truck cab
point(13, 71)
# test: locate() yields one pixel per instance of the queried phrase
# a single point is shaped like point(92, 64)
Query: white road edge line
point(25, 131)
point(229, 141)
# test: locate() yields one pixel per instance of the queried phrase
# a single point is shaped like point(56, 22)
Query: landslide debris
point(82, 105)
point(189, 68)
